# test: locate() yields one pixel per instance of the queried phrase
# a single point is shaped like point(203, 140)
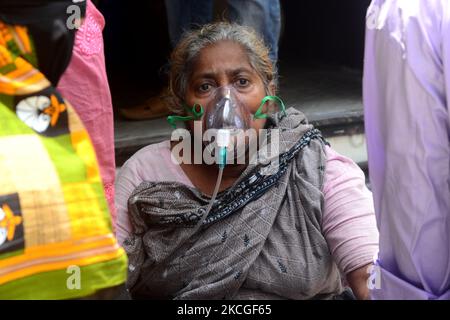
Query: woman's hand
point(357, 280)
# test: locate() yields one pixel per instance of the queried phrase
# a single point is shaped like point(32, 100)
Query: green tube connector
point(222, 157)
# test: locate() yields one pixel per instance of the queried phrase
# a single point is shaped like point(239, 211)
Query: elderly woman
point(299, 231)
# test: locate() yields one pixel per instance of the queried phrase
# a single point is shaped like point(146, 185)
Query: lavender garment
point(406, 87)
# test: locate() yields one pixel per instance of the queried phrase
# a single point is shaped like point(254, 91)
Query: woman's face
point(226, 64)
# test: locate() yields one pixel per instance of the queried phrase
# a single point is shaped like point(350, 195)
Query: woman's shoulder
point(149, 155)
point(144, 164)
point(339, 164)
point(341, 171)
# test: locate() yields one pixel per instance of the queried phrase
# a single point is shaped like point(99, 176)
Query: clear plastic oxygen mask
point(227, 112)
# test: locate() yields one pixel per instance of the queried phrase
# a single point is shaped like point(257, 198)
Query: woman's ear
point(272, 88)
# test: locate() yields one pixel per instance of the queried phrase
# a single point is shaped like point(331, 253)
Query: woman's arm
point(152, 163)
point(126, 182)
point(349, 221)
point(357, 280)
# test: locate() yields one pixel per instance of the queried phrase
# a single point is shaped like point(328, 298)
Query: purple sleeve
point(406, 86)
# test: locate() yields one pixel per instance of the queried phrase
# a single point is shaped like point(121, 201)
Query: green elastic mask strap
point(259, 113)
point(172, 120)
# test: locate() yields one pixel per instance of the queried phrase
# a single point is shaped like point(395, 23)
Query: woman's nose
point(223, 90)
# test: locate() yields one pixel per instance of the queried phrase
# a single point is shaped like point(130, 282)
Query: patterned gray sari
point(261, 240)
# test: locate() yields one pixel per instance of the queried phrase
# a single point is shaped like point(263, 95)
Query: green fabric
point(104, 207)
point(31, 57)
point(70, 169)
point(11, 254)
point(14, 48)
point(67, 163)
point(10, 124)
point(53, 285)
point(8, 68)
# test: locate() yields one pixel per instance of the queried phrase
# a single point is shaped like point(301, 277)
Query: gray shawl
point(262, 239)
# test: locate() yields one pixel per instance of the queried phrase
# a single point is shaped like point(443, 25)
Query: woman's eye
point(205, 87)
point(243, 82)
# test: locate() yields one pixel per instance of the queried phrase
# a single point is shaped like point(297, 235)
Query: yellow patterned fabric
point(53, 214)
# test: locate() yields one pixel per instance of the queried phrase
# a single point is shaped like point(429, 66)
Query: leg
point(262, 15)
point(182, 15)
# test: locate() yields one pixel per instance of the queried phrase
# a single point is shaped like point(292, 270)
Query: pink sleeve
point(348, 223)
point(151, 163)
point(85, 86)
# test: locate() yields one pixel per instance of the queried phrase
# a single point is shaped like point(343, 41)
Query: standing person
point(56, 240)
point(85, 85)
point(406, 98)
point(262, 15)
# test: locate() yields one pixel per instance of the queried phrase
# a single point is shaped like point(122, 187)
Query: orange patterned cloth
point(53, 212)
